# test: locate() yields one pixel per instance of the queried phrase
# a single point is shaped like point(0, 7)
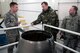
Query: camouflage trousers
point(72, 43)
point(78, 45)
point(11, 39)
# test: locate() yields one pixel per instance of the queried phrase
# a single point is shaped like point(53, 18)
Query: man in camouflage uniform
point(48, 16)
point(11, 20)
point(71, 22)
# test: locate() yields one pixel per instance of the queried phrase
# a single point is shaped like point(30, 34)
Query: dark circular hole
point(36, 35)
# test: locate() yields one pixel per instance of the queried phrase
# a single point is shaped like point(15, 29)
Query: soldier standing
point(72, 23)
point(11, 20)
point(48, 16)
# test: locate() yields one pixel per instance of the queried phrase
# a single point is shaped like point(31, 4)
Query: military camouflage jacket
point(71, 23)
point(48, 17)
point(11, 20)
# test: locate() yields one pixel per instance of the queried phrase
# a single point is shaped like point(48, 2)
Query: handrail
point(65, 30)
point(66, 47)
point(1, 29)
point(5, 46)
point(72, 32)
point(8, 45)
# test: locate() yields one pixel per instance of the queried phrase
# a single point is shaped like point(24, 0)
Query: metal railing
point(61, 29)
point(72, 32)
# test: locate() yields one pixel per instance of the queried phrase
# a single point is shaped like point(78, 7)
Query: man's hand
point(62, 36)
point(32, 24)
point(19, 23)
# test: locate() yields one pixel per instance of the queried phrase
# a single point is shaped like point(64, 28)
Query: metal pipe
point(68, 2)
point(54, 41)
point(65, 30)
point(30, 11)
point(66, 47)
point(2, 47)
point(5, 46)
point(30, 3)
point(13, 27)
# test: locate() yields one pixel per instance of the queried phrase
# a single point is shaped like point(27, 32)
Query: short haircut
point(13, 3)
point(75, 7)
point(44, 3)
